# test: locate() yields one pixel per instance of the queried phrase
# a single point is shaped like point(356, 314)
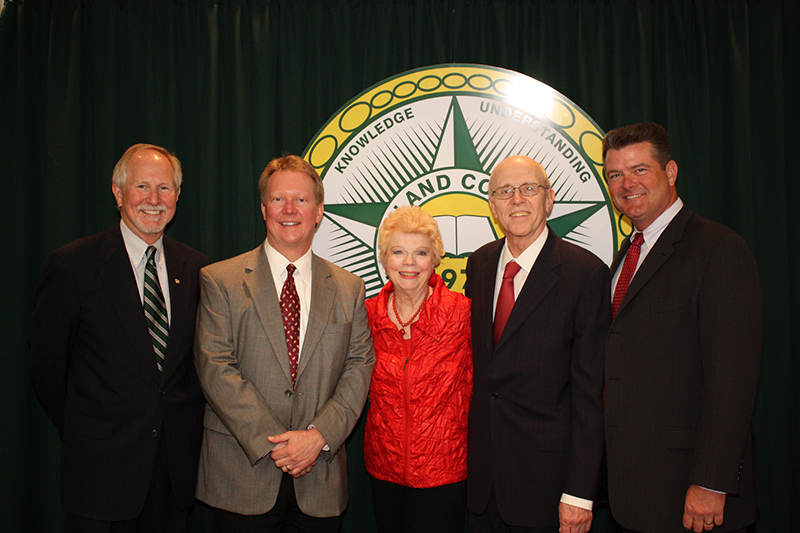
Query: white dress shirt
point(650, 236)
point(302, 282)
point(137, 253)
point(525, 260)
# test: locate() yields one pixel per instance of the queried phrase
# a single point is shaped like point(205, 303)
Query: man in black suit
point(683, 353)
point(536, 421)
point(130, 422)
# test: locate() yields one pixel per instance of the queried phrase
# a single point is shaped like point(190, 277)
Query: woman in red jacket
point(415, 444)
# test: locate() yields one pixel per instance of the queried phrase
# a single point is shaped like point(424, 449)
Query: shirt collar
point(278, 263)
point(528, 257)
point(652, 232)
point(136, 247)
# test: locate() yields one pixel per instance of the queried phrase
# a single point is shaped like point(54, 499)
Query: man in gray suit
point(282, 396)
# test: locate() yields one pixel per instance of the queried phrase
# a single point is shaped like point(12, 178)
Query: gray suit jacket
point(243, 365)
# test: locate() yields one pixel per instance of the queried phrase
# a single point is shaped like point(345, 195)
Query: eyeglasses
point(526, 189)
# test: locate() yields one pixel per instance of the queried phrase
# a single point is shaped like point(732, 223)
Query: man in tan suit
point(273, 448)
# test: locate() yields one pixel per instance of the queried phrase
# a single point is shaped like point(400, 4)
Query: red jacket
point(416, 432)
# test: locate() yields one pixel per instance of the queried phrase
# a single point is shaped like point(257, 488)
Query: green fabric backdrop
point(229, 84)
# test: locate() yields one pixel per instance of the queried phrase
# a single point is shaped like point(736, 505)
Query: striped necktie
point(155, 310)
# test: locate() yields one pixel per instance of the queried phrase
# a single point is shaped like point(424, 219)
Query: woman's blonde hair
point(410, 219)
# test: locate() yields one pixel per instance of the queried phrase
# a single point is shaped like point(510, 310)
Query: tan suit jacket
point(243, 366)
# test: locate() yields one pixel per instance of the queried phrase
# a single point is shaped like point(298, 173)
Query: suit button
point(154, 433)
point(288, 393)
point(161, 392)
point(494, 395)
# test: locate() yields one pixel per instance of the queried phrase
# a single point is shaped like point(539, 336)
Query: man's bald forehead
point(519, 164)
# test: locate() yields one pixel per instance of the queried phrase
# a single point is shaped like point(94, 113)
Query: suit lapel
point(663, 249)
point(483, 299)
point(116, 272)
point(323, 293)
point(540, 281)
point(180, 315)
point(260, 285)
point(620, 255)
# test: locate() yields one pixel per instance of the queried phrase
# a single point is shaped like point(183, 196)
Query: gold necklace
point(396, 314)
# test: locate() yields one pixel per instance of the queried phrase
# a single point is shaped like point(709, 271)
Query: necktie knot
point(638, 239)
point(511, 271)
point(290, 268)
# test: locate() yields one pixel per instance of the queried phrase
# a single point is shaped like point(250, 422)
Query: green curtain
point(229, 84)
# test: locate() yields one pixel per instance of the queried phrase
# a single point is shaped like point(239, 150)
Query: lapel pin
point(177, 281)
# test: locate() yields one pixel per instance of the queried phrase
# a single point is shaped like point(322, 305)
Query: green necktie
point(155, 309)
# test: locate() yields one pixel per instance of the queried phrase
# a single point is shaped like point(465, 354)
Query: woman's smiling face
point(409, 262)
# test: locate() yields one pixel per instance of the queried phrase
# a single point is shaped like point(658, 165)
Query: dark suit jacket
point(93, 368)
point(682, 366)
point(536, 420)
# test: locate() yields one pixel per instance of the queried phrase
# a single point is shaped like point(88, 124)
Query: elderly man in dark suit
point(683, 353)
point(111, 359)
point(285, 357)
point(540, 314)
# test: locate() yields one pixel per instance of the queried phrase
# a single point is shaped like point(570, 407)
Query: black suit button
point(494, 395)
point(161, 392)
point(154, 433)
point(288, 393)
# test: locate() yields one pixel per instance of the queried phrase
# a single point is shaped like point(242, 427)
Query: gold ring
point(708, 523)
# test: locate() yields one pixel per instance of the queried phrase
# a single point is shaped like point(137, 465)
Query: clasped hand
point(296, 452)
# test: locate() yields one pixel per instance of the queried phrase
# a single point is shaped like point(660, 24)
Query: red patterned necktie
point(290, 309)
point(628, 268)
point(505, 299)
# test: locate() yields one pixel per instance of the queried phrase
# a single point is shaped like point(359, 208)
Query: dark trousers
point(400, 509)
point(490, 521)
point(284, 517)
point(160, 513)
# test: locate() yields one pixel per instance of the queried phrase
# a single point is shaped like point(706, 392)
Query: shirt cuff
point(325, 448)
point(577, 502)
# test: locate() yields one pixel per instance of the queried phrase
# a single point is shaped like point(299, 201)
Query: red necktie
point(290, 309)
point(505, 299)
point(625, 276)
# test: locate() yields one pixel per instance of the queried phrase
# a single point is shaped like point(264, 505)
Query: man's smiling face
point(148, 200)
point(291, 213)
point(639, 185)
point(523, 218)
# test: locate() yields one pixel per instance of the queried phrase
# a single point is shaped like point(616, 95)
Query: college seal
point(430, 137)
